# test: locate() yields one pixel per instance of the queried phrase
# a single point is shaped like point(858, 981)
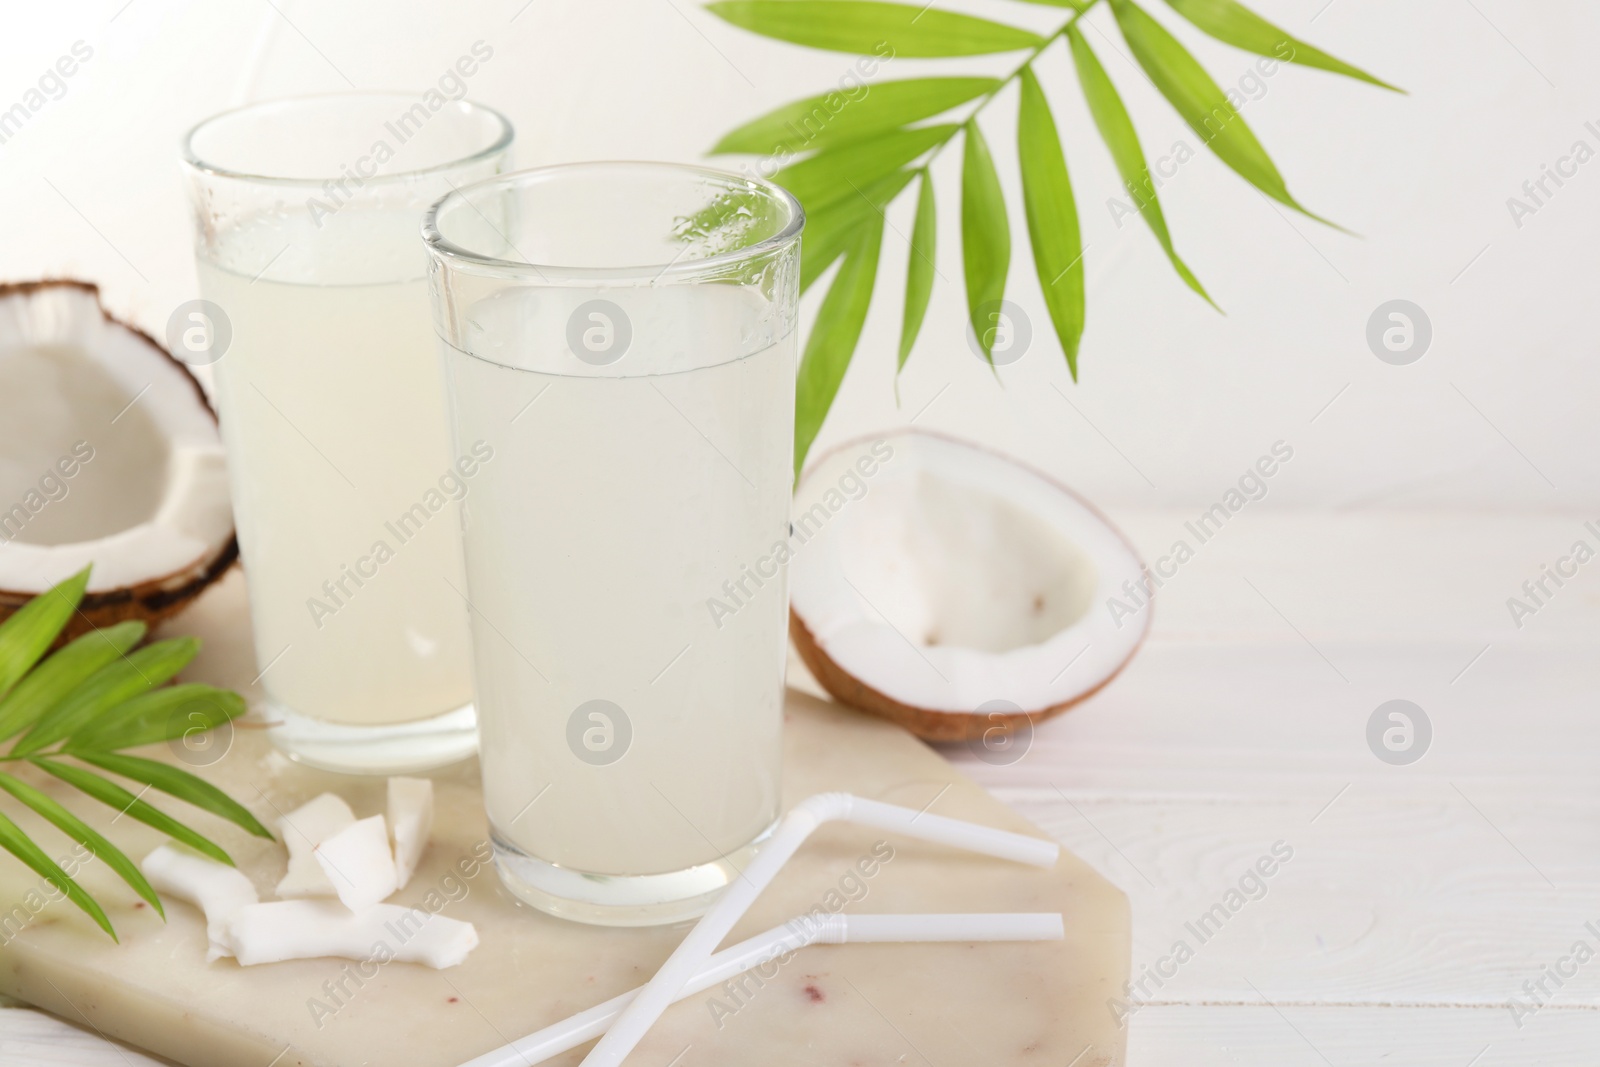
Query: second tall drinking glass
point(623, 336)
point(333, 412)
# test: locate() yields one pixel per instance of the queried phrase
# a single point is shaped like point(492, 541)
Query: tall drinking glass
point(623, 336)
point(327, 377)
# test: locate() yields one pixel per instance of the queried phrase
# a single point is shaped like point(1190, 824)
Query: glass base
point(619, 900)
point(400, 748)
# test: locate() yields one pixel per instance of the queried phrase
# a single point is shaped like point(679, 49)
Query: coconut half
point(110, 455)
point(947, 587)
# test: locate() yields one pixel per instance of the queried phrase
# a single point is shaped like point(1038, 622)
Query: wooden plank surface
point(1419, 898)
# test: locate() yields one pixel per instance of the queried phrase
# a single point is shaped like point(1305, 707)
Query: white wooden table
point(1418, 899)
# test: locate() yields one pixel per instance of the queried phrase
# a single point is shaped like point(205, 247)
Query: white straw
point(797, 933)
point(695, 949)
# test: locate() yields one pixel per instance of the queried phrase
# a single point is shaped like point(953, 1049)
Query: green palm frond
point(848, 154)
point(84, 704)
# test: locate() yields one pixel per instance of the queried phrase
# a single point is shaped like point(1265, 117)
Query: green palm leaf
point(128, 677)
point(834, 118)
point(1200, 102)
point(1052, 217)
point(33, 628)
point(985, 238)
point(159, 715)
point(832, 230)
point(14, 841)
point(869, 27)
point(866, 145)
point(63, 672)
point(839, 173)
point(178, 783)
point(97, 694)
point(85, 835)
point(1116, 129)
point(919, 269)
point(113, 795)
point(834, 336)
point(1233, 23)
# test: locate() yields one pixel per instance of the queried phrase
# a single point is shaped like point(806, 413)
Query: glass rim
point(442, 247)
point(193, 159)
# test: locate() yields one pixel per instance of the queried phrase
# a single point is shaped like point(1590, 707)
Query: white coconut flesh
point(308, 929)
point(359, 863)
point(353, 859)
point(109, 453)
point(947, 577)
point(410, 822)
point(215, 888)
point(303, 829)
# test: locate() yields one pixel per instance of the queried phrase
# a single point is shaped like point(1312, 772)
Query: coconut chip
point(410, 820)
point(307, 929)
point(303, 830)
point(330, 853)
point(358, 863)
point(214, 888)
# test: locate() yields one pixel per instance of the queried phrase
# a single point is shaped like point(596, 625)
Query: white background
point(1175, 400)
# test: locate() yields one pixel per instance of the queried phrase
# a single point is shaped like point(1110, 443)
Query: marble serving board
point(989, 1005)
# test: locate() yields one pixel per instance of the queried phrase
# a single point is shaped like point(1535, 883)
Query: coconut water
point(344, 485)
point(629, 611)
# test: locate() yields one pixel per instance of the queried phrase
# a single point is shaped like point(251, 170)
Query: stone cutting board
point(989, 1005)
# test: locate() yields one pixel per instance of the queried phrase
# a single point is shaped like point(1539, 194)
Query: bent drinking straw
point(692, 953)
point(777, 942)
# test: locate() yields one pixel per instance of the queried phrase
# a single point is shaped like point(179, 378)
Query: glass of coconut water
point(327, 379)
point(623, 336)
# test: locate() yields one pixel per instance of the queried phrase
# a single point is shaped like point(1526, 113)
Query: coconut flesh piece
point(306, 929)
point(215, 888)
point(349, 853)
point(941, 585)
point(303, 830)
point(410, 820)
point(359, 864)
point(111, 455)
